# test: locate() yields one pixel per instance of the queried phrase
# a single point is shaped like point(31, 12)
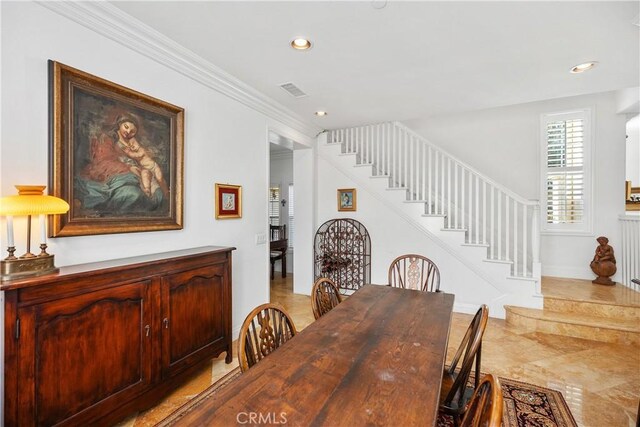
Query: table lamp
point(29, 201)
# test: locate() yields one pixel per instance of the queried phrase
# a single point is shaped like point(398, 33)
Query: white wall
point(281, 175)
point(392, 236)
point(633, 151)
point(225, 141)
point(504, 144)
point(305, 190)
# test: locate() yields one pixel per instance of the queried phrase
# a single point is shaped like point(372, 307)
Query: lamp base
point(18, 268)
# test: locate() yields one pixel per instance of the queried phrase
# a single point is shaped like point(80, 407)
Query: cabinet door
point(193, 324)
point(82, 355)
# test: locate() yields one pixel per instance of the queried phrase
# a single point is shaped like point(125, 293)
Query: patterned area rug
point(528, 405)
point(525, 405)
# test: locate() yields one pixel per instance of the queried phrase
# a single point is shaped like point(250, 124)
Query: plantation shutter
point(274, 206)
point(566, 168)
point(565, 171)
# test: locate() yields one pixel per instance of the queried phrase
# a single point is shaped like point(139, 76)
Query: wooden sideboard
point(97, 342)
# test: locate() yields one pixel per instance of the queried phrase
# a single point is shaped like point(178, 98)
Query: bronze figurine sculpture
point(604, 263)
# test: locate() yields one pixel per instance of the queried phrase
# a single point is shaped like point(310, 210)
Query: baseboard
point(465, 308)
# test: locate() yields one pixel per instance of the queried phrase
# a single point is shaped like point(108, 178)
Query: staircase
point(580, 309)
point(486, 226)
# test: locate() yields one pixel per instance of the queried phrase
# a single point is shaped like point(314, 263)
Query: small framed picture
point(228, 201)
point(346, 199)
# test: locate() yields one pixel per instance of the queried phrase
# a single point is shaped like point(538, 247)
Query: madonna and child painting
point(117, 156)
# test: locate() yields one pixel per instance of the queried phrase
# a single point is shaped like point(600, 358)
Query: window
point(566, 172)
point(291, 223)
point(274, 206)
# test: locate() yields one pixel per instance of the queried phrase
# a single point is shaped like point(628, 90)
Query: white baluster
point(499, 225)
point(440, 191)
point(369, 144)
point(493, 229)
point(414, 173)
point(448, 176)
point(463, 205)
point(367, 149)
point(429, 180)
point(378, 162)
point(456, 220)
point(484, 212)
point(507, 227)
point(525, 248)
point(405, 159)
point(389, 146)
point(477, 223)
point(470, 210)
point(434, 182)
point(515, 238)
point(394, 166)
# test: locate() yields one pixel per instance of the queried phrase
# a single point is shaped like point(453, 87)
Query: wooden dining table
point(375, 359)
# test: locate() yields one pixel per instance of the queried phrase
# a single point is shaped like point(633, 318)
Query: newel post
point(535, 239)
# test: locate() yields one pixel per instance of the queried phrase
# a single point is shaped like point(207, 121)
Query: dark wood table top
point(376, 359)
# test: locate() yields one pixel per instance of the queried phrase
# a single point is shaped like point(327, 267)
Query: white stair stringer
point(523, 292)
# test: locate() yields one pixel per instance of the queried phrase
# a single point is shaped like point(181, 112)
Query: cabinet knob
point(147, 328)
point(166, 323)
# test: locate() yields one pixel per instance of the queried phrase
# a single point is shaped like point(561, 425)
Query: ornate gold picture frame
point(347, 199)
point(228, 201)
point(116, 156)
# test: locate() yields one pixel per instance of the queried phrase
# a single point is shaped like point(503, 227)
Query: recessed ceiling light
point(321, 113)
point(581, 68)
point(300, 44)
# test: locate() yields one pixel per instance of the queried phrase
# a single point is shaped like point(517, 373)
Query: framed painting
point(347, 199)
point(116, 156)
point(228, 201)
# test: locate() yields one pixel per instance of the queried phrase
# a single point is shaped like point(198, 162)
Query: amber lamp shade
point(29, 201)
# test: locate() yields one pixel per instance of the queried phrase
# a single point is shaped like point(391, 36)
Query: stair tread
point(498, 261)
point(435, 215)
point(525, 278)
point(585, 291)
point(628, 325)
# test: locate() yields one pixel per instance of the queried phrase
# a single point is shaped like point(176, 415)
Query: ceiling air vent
point(293, 90)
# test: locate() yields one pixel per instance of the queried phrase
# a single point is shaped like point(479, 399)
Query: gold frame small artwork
point(228, 201)
point(347, 199)
point(631, 202)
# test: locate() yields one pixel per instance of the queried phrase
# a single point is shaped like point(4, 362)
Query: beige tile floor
point(600, 381)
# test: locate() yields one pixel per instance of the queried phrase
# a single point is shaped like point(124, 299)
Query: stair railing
point(628, 255)
point(490, 213)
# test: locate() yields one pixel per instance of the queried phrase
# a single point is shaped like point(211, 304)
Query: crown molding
point(111, 22)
